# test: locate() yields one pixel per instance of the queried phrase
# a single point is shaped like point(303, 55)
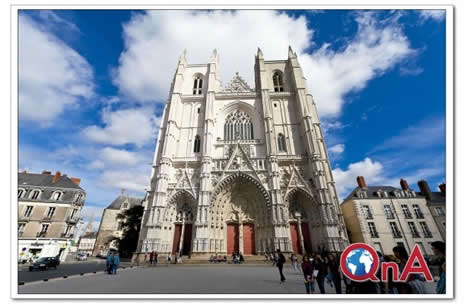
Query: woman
point(320, 272)
point(294, 260)
point(308, 275)
point(402, 255)
point(334, 270)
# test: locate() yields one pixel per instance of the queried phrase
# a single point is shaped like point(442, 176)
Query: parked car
point(44, 263)
point(82, 256)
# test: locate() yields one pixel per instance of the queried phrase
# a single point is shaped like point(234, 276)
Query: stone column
point(181, 238)
point(300, 235)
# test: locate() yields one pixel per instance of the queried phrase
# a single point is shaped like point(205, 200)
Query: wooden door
point(232, 238)
point(176, 240)
point(187, 243)
point(295, 238)
point(306, 237)
point(249, 239)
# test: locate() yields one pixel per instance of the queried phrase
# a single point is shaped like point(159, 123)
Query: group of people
point(324, 267)
point(153, 258)
point(112, 263)
point(218, 259)
point(237, 257)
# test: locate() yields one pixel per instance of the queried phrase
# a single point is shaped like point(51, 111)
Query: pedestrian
point(115, 263)
point(389, 286)
point(109, 263)
point(242, 259)
point(308, 275)
point(152, 256)
point(179, 259)
point(402, 255)
point(280, 264)
point(169, 258)
point(274, 258)
point(320, 272)
point(294, 260)
point(155, 258)
point(334, 270)
point(439, 250)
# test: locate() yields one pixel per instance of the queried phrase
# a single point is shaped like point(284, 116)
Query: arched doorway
point(240, 216)
point(300, 209)
point(181, 214)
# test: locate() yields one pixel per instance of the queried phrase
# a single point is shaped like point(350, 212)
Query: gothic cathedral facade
point(241, 169)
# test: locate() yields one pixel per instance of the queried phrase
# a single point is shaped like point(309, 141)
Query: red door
point(249, 239)
point(295, 238)
point(306, 237)
point(176, 241)
point(187, 244)
point(232, 238)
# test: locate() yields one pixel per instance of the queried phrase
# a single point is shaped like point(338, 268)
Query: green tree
point(131, 221)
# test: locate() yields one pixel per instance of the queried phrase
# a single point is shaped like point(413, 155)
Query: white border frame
point(450, 158)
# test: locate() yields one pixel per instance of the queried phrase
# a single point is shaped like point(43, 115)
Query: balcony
point(428, 234)
point(415, 234)
point(408, 216)
point(20, 233)
point(72, 220)
point(66, 235)
point(368, 216)
point(24, 218)
point(419, 216)
point(41, 234)
point(397, 235)
point(374, 234)
point(47, 218)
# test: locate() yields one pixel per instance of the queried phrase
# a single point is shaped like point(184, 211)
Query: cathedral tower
point(241, 169)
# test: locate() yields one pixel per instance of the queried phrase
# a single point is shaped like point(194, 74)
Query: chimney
point(424, 188)
point(442, 188)
point(76, 181)
point(361, 182)
point(46, 172)
point(404, 184)
point(56, 177)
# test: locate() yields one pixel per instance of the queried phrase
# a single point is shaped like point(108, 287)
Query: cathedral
point(238, 168)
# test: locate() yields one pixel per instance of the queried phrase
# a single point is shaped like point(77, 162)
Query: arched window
point(196, 144)
point(278, 82)
point(238, 126)
point(34, 195)
point(20, 193)
point(197, 85)
point(57, 195)
point(281, 143)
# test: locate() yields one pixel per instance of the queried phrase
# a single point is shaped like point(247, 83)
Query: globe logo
point(359, 262)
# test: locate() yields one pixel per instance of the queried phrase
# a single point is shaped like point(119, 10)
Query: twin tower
point(241, 169)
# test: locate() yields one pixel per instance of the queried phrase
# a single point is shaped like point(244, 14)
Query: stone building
point(238, 168)
point(386, 216)
point(87, 242)
point(49, 207)
point(110, 226)
point(436, 201)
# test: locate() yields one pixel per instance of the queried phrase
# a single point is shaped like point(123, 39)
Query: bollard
point(21, 283)
point(65, 276)
point(46, 279)
point(82, 274)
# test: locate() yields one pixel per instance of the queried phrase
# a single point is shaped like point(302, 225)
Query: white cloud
point(119, 157)
point(372, 171)
point(337, 149)
point(437, 15)
point(155, 39)
point(129, 179)
point(52, 76)
point(125, 126)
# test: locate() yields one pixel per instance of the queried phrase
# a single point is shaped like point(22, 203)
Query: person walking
point(280, 265)
point(294, 260)
point(402, 255)
point(334, 270)
point(155, 258)
point(169, 258)
point(115, 263)
point(152, 256)
point(109, 263)
point(439, 250)
point(320, 272)
point(308, 275)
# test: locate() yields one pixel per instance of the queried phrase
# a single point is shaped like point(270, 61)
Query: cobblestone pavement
point(180, 279)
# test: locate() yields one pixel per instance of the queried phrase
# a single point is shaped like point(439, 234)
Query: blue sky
point(92, 86)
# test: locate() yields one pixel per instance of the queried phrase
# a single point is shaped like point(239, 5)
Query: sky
point(93, 83)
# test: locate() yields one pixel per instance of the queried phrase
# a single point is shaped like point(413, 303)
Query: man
point(109, 263)
point(152, 256)
point(115, 263)
point(439, 249)
point(280, 265)
point(155, 258)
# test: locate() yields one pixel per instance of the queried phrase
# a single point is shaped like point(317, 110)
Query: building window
point(125, 205)
point(238, 126)
point(20, 193)
point(197, 85)
point(421, 247)
point(278, 82)
point(388, 211)
point(417, 211)
point(119, 228)
point(51, 212)
point(78, 197)
point(385, 194)
point(412, 228)
point(372, 230)
point(438, 211)
point(35, 194)
point(281, 143)
point(196, 144)
point(73, 213)
point(28, 211)
point(394, 228)
point(406, 212)
point(57, 195)
point(68, 230)
point(198, 110)
point(43, 229)
point(425, 229)
point(21, 228)
point(367, 212)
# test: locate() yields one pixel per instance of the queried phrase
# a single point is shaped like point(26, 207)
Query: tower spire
point(291, 54)
point(260, 54)
point(183, 57)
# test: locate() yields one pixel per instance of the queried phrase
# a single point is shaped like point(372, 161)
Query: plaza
point(182, 279)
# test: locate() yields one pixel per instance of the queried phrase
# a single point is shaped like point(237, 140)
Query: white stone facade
point(237, 156)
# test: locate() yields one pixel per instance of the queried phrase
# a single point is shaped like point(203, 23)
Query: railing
point(47, 218)
point(41, 234)
point(415, 234)
point(428, 234)
point(70, 219)
point(24, 218)
point(419, 216)
point(66, 235)
point(397, 235)
point(375, 234)
point(390, 216)
point(408, 215)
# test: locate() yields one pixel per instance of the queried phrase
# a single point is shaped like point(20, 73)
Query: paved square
point(180, 279)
